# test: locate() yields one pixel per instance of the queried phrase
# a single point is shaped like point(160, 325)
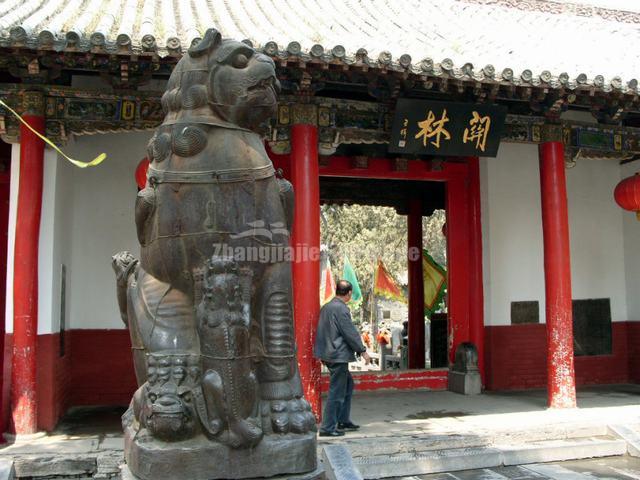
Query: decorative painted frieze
point(70, 111)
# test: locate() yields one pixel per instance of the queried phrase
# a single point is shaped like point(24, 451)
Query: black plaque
point(424, 127)
point(592, 327)
point(525, 312)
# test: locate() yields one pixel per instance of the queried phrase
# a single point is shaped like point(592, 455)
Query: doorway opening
point(365, 239)
point(457, 179)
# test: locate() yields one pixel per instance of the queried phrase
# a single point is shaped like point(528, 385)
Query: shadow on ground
point(91, 421)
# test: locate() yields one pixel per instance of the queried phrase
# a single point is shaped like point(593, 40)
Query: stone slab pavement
point(417, 413)
point(610, 468)
point(384, 414)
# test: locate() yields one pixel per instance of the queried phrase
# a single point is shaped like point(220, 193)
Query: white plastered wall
point(52, 249)
point(512, 233)
point(53, 245)
point(87, 216)
point(631, 228)
point(102, 225)
point(511, 230)
point(596, 234)
point(11, 233)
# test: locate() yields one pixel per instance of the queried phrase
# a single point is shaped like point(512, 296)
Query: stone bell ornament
point(211, 322)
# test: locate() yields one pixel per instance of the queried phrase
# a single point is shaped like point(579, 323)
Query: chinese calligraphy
point(403, 133)
point(478, 131)
point(430, 127)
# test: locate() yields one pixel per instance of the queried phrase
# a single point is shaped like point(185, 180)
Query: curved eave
point(427, 67)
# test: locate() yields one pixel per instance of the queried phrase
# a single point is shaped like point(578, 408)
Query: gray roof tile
point(525, 42)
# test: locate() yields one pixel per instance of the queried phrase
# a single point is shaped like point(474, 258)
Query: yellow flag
point(434, 278)
point(96, 161)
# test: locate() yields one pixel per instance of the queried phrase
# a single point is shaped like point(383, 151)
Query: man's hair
point(343, 287)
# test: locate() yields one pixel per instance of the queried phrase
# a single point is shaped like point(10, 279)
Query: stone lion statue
point(211, 323)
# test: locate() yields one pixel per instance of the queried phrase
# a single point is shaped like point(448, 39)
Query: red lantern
point(627, 194)
point(141, 173)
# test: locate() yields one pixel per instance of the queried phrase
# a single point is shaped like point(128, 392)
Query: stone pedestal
point(466, 383)
point(199, 459)
point(464, 376)
point(317, 474)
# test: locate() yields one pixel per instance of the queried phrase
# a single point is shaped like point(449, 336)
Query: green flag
point(350, 276)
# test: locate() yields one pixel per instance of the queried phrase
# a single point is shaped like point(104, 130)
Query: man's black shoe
point(335, 433)
point(348, 426)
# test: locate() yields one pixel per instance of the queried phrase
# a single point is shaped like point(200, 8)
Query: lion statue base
point(199, 459)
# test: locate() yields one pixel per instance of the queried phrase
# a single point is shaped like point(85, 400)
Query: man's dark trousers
point(338, 406)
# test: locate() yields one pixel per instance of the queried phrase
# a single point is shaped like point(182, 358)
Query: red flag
point(327, 284)
point(385, 286)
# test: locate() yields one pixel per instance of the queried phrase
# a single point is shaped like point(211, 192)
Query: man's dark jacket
point(337, 338)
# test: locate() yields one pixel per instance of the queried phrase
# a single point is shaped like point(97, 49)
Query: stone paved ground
point(89, 441)
point(611, 468)
point(419, 412)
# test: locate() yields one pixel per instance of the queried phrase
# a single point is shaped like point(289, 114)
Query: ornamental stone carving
point(211, 324)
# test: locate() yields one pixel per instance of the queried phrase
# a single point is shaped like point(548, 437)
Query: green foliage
point(366, 233)
point(433, 240)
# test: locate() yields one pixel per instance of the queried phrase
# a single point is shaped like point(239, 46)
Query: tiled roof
point(524, 42)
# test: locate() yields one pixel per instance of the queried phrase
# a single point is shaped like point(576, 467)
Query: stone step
point(339, 464)
point(49, 465)
point(629, 435)
point(381, 445)
point(456, 459)
point(6, 469)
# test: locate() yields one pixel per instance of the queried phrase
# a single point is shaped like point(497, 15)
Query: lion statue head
point(222, 82)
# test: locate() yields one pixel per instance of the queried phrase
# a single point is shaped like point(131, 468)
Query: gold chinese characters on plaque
point(440, 128)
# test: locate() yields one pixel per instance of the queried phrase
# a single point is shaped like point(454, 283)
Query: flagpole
point(372, 309)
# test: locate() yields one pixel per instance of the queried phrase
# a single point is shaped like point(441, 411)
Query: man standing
point(337, 343)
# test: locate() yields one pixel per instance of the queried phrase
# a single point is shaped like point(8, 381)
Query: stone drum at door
point(210, 317)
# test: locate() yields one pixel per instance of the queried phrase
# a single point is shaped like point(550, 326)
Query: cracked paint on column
point(561, 368)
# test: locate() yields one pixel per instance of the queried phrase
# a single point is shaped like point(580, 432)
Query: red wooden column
point(476, 291)
point(25, 274)
point(459, 262)
point(416, 286)
point(561, 390)
point(306, 266)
